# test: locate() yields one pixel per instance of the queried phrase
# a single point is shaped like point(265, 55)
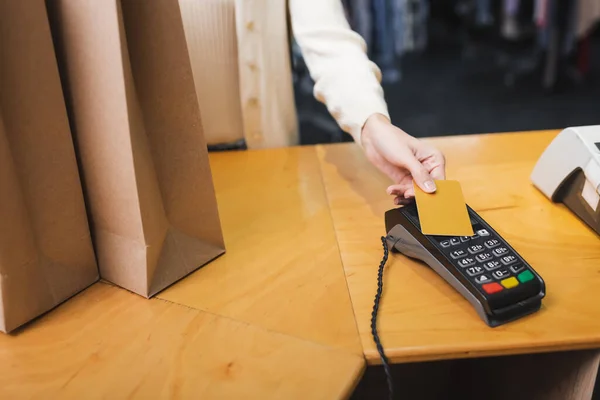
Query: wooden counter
point(285, 313)
point(110, 344)
point(282, 270)
point(271, 319)
point(422, 317)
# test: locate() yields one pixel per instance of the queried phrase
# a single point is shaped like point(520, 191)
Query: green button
point(525, 276)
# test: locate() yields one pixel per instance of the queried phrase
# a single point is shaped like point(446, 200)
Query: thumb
point(420, 175)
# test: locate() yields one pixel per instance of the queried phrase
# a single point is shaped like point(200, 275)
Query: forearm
point(346, 81)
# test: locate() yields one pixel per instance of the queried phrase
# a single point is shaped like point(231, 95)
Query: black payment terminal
point(484, 268)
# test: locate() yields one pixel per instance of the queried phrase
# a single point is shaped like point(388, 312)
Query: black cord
point(384, 359)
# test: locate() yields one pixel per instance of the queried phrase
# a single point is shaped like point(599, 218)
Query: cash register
point(568, 172)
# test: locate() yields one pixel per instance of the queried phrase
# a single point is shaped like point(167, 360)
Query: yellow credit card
point(443, 212)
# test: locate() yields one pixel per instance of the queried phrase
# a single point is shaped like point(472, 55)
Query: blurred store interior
point(472, 66)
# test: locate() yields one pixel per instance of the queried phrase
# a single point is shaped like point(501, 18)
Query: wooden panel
point(108, 343)
point(282, 268)
point(568, 375)
point(421, 317)
point(550, 376)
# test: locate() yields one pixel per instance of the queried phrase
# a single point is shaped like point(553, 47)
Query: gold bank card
point(443, 212)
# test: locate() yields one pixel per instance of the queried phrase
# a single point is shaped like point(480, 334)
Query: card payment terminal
point(483, 268)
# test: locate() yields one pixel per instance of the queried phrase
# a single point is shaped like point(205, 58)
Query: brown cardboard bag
point(46, 253)
point(137, 126)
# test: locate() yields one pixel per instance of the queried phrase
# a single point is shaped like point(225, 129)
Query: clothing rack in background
point(552, 37)
point(547, 41)
point(533, 39)
point(390, 29)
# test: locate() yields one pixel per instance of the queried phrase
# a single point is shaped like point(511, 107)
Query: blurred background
point(472, 66)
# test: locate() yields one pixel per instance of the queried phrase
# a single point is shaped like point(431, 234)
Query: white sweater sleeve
point(346, 81)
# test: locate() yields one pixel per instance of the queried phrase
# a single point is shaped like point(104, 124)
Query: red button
point(492, 287)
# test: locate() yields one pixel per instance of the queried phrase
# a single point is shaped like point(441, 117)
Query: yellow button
point(510, 282)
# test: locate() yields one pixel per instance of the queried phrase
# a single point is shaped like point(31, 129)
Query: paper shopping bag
point(138, 134)
point(46, 253)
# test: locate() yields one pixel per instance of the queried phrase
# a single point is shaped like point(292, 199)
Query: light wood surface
point(285, 313)
point(282, 268)
point(107, 343)
point(422, 317)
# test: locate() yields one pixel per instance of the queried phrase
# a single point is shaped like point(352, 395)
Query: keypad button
point(493, 287)
point(483, 257)
point(525, 276)
point(500, 251)
point(491, 243)
point(466, 262)
point(445, 243)
point(454, 241)
point(510, 282)
point(492, 265)
point(483, 232)
point(458, 253)
point(483, 279)
point(476, 248)
point(500, 273)
point(476, 270)
point(517, 268)
point(465, 238)
point(509, 259)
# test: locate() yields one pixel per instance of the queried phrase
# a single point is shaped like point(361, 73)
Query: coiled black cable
point(384, 359)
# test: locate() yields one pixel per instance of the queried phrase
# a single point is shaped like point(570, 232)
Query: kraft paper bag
point(137, 125)
point(46, 253)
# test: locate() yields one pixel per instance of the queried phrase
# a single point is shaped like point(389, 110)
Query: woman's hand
point(401, 157)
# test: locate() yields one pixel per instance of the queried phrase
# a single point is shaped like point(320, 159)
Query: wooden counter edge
point(402, 357)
